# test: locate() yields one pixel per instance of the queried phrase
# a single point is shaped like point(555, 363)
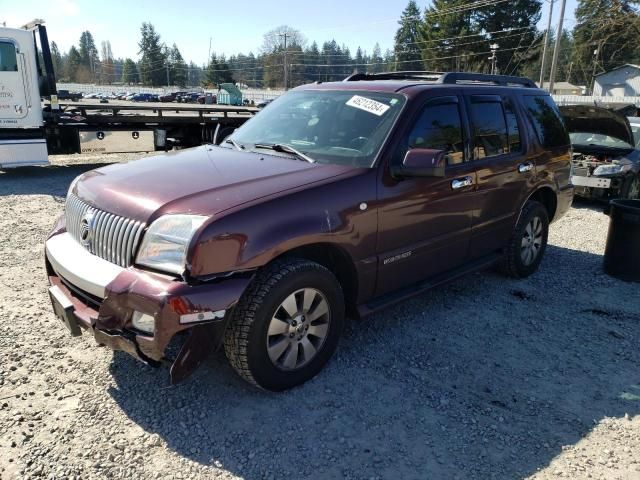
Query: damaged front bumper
point(92, 295)
point(598, 187)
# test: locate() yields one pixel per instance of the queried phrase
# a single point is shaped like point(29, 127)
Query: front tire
point(528, 242)
point(286, 326)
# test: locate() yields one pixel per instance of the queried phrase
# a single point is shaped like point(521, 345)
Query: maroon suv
point(337, 199)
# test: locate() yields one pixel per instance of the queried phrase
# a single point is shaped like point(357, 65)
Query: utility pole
point(168, 75)
point(543, 67)
point(494, 58)
point(595, 65)
point(556, 49)
point(286, 73)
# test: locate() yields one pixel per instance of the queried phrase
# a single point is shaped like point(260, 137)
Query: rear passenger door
point(551, 149)
point(502, 170)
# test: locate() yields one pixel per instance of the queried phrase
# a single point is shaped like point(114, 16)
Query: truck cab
point(22, 139)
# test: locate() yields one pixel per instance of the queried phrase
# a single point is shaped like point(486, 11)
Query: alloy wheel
point(531, 241)
point(298, 329)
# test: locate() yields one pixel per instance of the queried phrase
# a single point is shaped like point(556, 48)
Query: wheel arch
point(547, 197)
point(337, 260)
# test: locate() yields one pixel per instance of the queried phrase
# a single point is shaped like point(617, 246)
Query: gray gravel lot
point(486, 378)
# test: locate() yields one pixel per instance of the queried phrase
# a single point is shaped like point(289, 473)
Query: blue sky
point(191, 23)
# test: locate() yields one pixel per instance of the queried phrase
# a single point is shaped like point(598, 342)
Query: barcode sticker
point(368, 105)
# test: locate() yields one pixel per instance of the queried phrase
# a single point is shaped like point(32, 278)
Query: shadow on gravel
point(486, 378)
point(49, 180)
point(589, 204)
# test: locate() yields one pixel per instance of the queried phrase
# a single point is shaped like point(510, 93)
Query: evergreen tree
point(389, 61)
point(130, 72)
point(312, 59)
point(194, 74)
point(516, 29)
point(152, 64)
point(218, 71)
point(610, 28)
point(406, 48)
point(359, 61)
point(177, 68)
point(88, 56)
point(72, 64)
point(531, 63)
point(56, 59)
point(447, 36)
point(376, 59)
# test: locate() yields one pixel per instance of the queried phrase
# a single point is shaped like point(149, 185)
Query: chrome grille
point(111, 237)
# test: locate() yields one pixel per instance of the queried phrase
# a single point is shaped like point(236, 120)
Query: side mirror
point(421, 162)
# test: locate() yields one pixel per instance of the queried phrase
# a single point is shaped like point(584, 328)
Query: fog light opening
point(143, 322)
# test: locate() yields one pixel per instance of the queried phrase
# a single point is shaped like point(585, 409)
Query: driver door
point(425, 222)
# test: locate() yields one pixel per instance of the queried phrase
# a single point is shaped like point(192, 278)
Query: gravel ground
point(485, 378)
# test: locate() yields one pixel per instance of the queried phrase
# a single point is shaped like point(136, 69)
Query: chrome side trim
point(73, 262)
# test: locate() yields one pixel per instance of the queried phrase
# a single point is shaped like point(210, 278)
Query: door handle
point(461, 182)
point(525, 167)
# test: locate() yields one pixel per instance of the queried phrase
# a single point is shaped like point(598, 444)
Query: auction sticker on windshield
point(367, 105)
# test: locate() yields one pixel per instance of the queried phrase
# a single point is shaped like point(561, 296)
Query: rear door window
point(546, 120)
point(8, 58)
point(490, 135)
point(513, 130)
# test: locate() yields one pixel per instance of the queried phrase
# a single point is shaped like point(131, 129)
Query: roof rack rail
point(450, 78)
point(507, 80)
point(409, 75)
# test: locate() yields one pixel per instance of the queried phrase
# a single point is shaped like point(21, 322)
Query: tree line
point(457, 35)
point(448, 35)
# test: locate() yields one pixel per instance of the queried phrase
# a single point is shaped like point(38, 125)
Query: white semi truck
point(34, 125)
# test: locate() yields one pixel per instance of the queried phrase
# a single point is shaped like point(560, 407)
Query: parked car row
point(201, 98)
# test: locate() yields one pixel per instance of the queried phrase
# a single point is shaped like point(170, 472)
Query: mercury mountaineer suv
point(336, 200)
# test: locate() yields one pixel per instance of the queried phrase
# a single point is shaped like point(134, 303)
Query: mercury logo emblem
point(86, 229)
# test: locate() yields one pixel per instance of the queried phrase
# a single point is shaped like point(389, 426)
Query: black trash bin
point(622, 253)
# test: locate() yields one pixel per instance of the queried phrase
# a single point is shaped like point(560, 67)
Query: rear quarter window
point(546, 120)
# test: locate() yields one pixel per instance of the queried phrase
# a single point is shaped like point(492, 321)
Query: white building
point(623, 81)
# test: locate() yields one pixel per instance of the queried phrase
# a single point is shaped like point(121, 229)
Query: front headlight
point(164, 246)
point(73, 184)
point(612, 169)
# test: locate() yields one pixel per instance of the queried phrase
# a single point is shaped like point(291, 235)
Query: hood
point(589, 119)
point(203, 180)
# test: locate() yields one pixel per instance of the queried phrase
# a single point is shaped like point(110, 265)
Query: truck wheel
point(631, 188)
point(286, 326)
point(527, 244)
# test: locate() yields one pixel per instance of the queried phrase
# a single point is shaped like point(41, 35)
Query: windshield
point(330, 126)
point(583, 138)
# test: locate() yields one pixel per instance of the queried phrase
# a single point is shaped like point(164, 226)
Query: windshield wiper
point(234, 143)
point(283, 147)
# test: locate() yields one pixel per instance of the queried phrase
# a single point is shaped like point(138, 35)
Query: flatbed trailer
point(34, 124)
point(113, 128)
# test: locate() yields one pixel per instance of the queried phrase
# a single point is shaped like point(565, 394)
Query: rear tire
point(528, 242)
point(286, 326)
